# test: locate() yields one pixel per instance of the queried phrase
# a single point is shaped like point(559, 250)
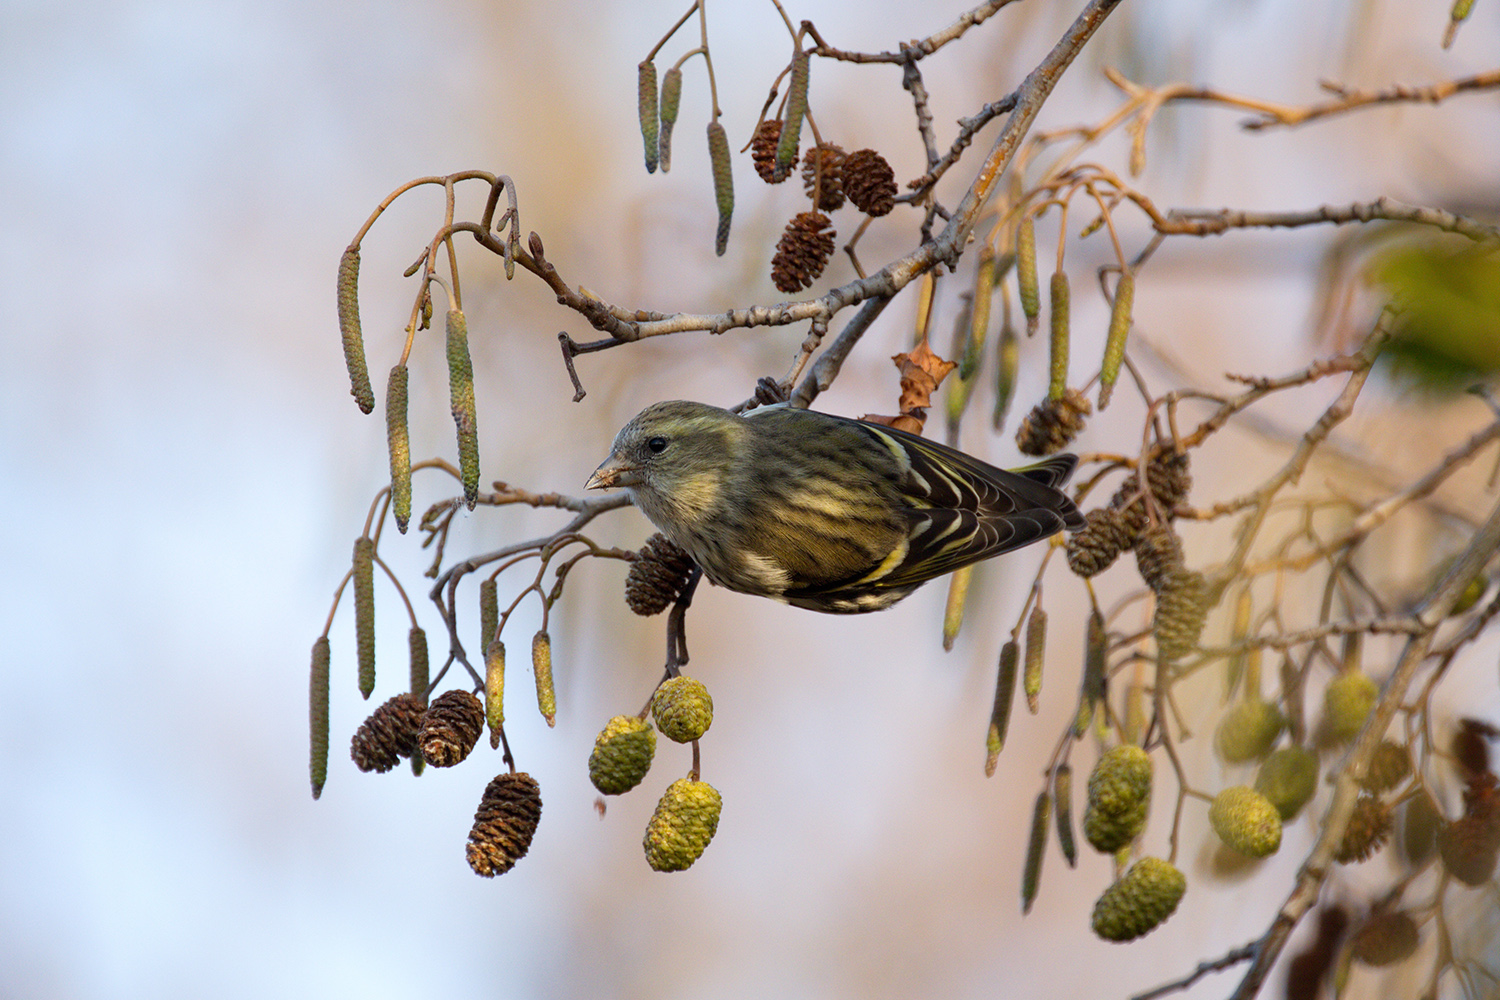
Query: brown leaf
point(922, 372)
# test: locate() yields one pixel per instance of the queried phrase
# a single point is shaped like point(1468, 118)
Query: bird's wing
point(951, 479)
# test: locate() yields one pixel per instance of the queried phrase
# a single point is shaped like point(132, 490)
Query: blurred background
point(184, 474)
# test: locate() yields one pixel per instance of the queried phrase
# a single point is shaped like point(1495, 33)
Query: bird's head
point(675, 452)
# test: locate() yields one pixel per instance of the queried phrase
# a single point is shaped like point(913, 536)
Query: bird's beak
point(612, 472)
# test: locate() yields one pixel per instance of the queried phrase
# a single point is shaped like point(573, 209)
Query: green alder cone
point(1288, 779)
point(622, 754)
point(1140, 901)
point(682, 709)
point(684, 823)
point(1246, 821)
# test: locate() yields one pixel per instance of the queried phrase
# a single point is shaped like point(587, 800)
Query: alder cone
point(504, 824)
point(802, 252)
point(763, 152)
point(869, 182)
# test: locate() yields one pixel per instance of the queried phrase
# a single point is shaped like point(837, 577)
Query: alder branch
point(1350, 99)
point(1196, 222)
point(910, 50)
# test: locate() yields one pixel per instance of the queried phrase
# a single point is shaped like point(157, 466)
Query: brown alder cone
point(389, 734)
point(504, 824)
point(763, 151)
point(828, 160)
point(802, 252)
point(869, 182)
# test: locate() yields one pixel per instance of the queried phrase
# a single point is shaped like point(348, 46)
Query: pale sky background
point(184, 473)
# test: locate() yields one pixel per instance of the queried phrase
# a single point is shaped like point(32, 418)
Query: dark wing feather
point(959, 510)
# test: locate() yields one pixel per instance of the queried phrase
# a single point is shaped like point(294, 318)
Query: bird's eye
point(657, 444)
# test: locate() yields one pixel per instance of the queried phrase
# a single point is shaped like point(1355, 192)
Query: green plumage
point(824, 512)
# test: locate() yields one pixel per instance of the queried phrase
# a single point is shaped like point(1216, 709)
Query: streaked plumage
point(824, 512)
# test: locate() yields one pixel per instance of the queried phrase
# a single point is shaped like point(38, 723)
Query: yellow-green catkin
point(1095, 650)
point(1005, 693)
point(420, 679)
point(1114, 343)
point(646, 104)
point(1008, 365)
point(1459, 14)
point(494, 689)
point(349, 331)
point(718, 159)
point(1036, 847)
point(416, 640)
point(541, 665)
point(671, 99)
point(1058, 384)
point(1036, 650)
point(1062, 793)
point(1026, 274)
point(489, 612)
point(1238, 630)
point(317, 715)
point(364, 612)
point(461, 394)
point(957, 397)
point(796, 107)
point(1134, 724)
point(398, 438)
point(953, 614)
point(979, 314)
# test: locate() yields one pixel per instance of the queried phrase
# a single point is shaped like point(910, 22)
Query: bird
point(821, 511)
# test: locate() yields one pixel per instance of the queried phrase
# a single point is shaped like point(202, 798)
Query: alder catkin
point(398, 439)
point(349, 331)
point(671, 98)
point(416, 639)
point(718, 158)
point(461, 395)
point(646, 105)
point(494, 689)
point(796, 107)
point(1114, 343)
point(1058, 369)
point(317, 713)
point(1031, 876)
point(1005, 693)
point(541, 665)
point(953, 612)
point(1007, 366)
point(1026, 274)
point(364, 612)
point(1036, 648)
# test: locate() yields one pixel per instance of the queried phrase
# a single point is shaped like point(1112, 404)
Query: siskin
point(824, 512)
